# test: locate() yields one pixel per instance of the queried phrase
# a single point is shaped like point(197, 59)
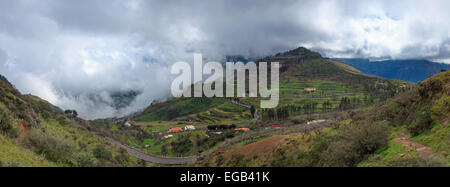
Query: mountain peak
point(302, 52)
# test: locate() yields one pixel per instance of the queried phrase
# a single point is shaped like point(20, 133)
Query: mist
point(85, 54)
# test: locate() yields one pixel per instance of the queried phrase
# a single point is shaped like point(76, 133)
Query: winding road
point(302, 128)
point(154, 158)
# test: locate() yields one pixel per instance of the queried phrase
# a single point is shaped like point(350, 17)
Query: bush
point(298, 121)
point(354, 142)
point(122, 159)
point(7, 125)
point(183, 144)
point(9, 164)
point(100, 152)
point(220, 160)
point(54, 148)
point(238, 160)
point(83, 160)
point(421, 162)
point(421, 122)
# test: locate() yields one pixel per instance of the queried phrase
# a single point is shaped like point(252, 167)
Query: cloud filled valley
point(108, 58)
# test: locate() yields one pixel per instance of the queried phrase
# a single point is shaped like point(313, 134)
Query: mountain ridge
point(408, 70)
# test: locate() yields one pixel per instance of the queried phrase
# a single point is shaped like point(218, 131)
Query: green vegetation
point(35, 133)
point(7, 124)
point(373, 136)
point(370, 121)
point(178, 107)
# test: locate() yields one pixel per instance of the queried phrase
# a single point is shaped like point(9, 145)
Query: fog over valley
point(109, 58)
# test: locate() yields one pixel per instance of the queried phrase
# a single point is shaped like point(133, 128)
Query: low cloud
point(77, 54)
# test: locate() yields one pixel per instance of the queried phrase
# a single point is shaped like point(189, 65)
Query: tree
point(252, 110)
point(74, 113)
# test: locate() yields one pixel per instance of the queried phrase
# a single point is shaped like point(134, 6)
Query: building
point(174, 130)
point(127, 124)
point(166, 137)
point(316, 121)
point(309, 89)
point(242, 129)
point(189, 127)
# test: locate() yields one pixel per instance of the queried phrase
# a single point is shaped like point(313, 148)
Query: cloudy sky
point(75, 54)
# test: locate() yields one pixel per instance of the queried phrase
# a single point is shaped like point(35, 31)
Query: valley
point(329, 114)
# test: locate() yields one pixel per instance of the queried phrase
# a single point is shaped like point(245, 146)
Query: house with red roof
point(242, 129)
point(174, 130)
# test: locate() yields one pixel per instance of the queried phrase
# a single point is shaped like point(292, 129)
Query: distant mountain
point(408, 70)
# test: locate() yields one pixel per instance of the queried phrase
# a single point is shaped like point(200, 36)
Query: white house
point(127, 124)
point(189, 127)
point(316, 121)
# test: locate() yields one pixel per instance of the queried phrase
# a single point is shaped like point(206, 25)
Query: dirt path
point(414, 146)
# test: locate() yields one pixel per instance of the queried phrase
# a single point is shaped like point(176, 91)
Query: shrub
point(183, 144)
point(83, 160)
point(54, 148)
point(281, 159)
point(100, 152)
point(354, 142)
point(220, 160)
point(298, 121)
point(421, 162)
point(7, 125)
point(9, 164)
point(238, 160)
point(421, 122)
point(122, 159)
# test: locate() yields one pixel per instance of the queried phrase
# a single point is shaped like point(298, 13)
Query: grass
point(14, 155)
point(383, 156)
point(438, 138)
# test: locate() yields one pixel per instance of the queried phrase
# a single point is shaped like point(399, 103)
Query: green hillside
point(338, 87)
point(410, 129)
point(35, 133)
point(351, 103)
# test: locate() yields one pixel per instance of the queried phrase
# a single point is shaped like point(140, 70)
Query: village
point(210, 131)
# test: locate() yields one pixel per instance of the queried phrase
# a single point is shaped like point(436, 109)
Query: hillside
point(41, 134)
point(338, 87)
point(35, 133)
point(410, 129)
point(407, 70)
point(300, 69)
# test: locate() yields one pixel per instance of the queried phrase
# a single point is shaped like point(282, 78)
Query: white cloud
point(82, 51)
